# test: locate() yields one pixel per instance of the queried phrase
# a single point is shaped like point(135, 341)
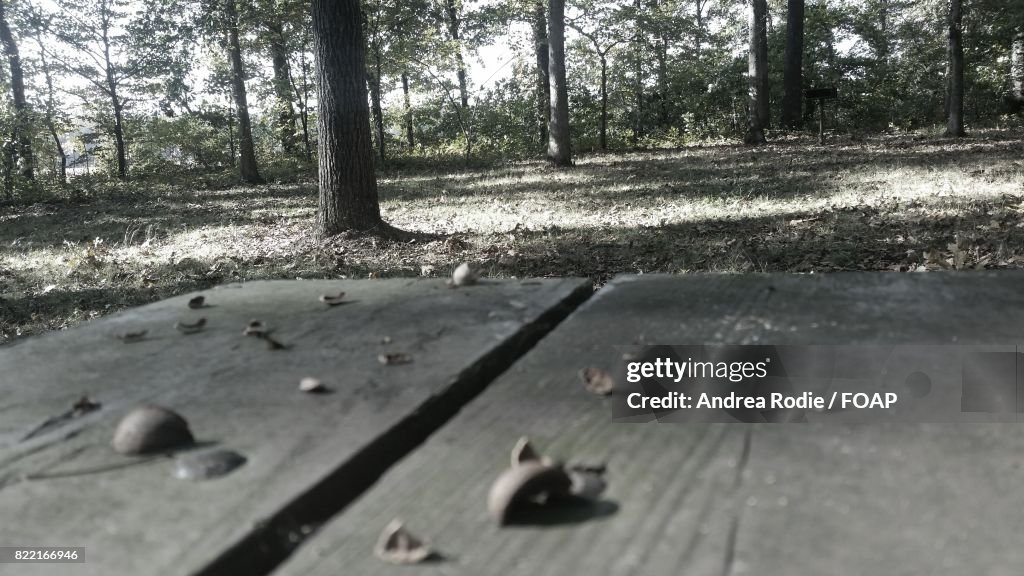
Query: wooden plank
point(308, 455)
point(718, 499)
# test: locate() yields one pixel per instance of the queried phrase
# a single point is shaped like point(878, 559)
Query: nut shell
point(151, 429)
point(528, 481)
point(464, 275)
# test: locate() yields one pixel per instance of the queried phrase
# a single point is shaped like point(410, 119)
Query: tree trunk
point(285, 117)
point(248, 170)
point(376, 111)
point(602, 141)
point(757, 71)
point(348, 185)
point(559, 151)
point(1017, 69)
point(955, 82)
point(638, 81)
point(540, 40)
point(453, 29)
point(792, 100)
point(408, 112)
point(22, 121)
point(50, 108)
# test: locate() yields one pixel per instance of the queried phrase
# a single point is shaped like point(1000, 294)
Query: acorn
point(463, 275)
point(151, 429)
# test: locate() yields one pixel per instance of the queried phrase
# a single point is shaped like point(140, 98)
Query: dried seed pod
point(151, 429)
point(394, 359)
point(529, 481)
point(129, 337)
point(190, 328)
point(197, 302)
point(597, 381)
point(464, 275)
point(339, 298)
point(207, 464)
point(312, 385)
point(397, 545)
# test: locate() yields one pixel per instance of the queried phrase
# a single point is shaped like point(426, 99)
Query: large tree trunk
point(955, 81)
point(757, 71)
point(453, 29)
point(559, 151)
point(248, 170)
point(543, 89)
point(1016, 96)
point(409, 139)
point(285, 117)
point(792, 99)
point(348, 185)
point(22, 121)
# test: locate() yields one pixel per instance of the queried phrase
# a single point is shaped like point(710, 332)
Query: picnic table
point(422, 439)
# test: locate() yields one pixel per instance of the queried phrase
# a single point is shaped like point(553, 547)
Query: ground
point(902, 204)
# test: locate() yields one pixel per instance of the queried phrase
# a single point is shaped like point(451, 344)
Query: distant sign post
point(821, 94)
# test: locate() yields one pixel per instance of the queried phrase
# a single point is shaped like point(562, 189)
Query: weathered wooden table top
point(684, 498)
point(307, 454)
point(718, 499)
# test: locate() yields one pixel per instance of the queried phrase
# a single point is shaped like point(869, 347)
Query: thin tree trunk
point(559, 151)
point(377, 111)
point(543, 89)
point(22, 120)
point(409, 133)
point(792, 100)
point(955, 83)
point(51, 108)
point(638, 82)
point(757, 70)
point(248, 169)
point(1017, 69)
point(602, 141)
point(453, 29)
point(348, 185)
point(285, 117)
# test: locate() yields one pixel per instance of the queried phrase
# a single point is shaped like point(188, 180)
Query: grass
point(898, 204)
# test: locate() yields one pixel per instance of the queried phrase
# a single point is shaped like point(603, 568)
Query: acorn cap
point(151, 429)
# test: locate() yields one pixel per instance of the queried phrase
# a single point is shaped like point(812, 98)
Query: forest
point(150, 149)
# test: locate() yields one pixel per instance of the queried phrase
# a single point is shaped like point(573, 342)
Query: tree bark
point(955, 81)
point(248, 169)
point(285, 117)
point(559, 151)
point(792, 99)
point(757, 71)
point(348, 185)
point(453, 29)
point(543, 89)
point(22, 120)
point(409, 139)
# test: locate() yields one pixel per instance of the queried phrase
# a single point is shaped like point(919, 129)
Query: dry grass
point(884, 204)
